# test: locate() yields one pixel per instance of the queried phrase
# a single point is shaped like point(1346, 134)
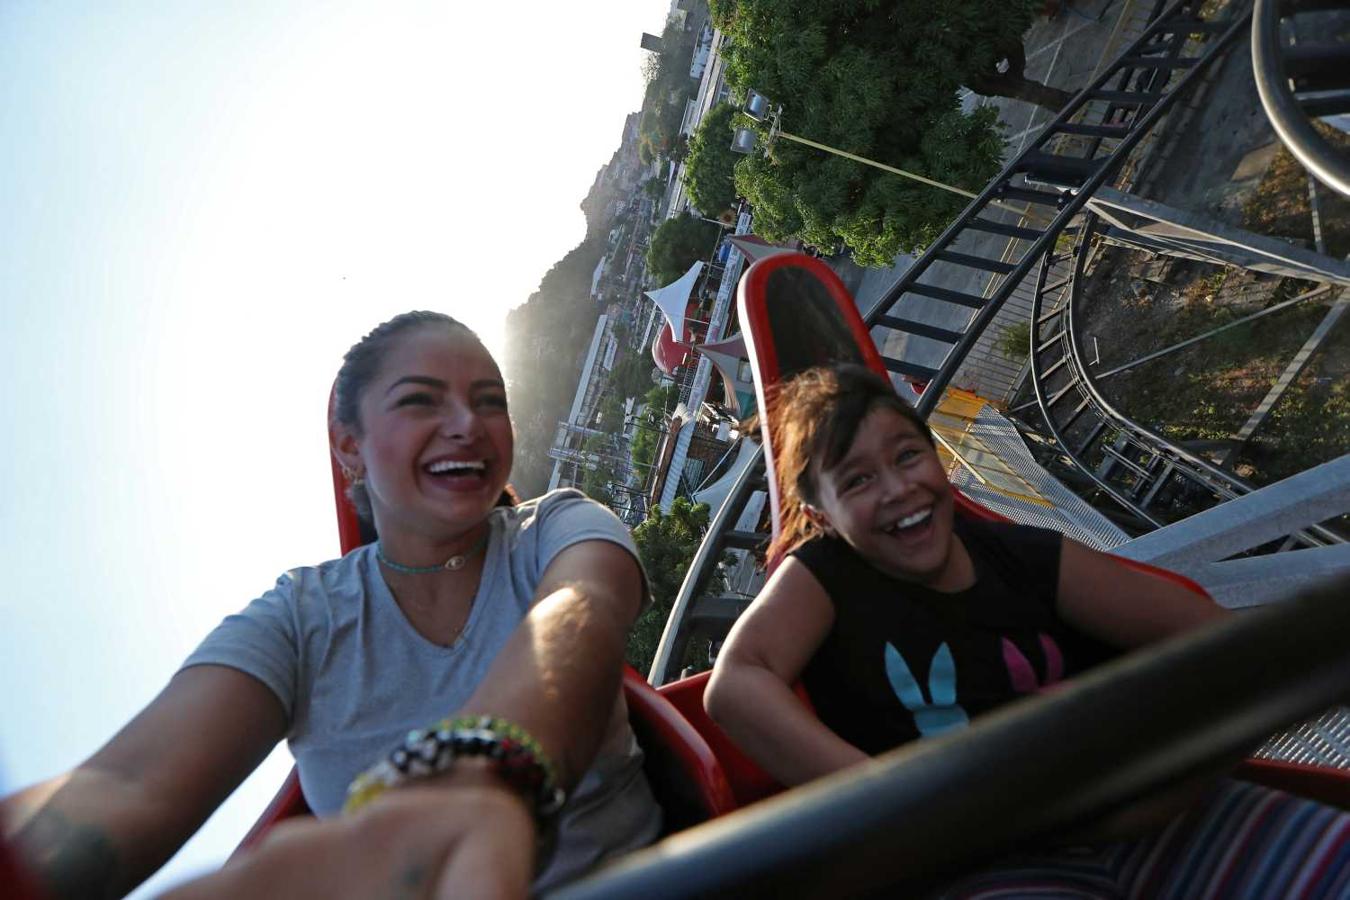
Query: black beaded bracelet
point(519, 761)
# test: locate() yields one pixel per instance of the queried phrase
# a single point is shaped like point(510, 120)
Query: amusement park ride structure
point(952, 800)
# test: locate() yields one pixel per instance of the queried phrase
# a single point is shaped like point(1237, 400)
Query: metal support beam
point(1164, 229)
point(1257, 580)
point(1288, 506)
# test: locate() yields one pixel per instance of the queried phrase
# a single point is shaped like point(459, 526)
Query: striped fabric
point(1243, 841)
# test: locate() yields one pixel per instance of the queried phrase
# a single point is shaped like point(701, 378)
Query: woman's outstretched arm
point(467, 832)
point(104, 827)
point(750, 693)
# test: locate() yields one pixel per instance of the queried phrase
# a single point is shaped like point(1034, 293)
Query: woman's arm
point(468, 833)
point(104, 827)
point(558, 675)
point(1102, 597)
point(750, 692)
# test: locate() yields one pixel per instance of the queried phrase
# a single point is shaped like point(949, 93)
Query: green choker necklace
point(453, 564)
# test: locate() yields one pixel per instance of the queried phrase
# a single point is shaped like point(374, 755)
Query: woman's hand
point(469, 836)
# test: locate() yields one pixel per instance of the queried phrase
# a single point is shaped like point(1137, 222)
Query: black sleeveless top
point(904, 661)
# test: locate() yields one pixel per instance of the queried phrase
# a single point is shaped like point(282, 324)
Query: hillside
point(546, 342)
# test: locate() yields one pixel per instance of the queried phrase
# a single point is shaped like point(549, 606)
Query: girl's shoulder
point(836, 565)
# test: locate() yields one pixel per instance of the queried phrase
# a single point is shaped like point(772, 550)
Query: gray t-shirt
point(354, 676)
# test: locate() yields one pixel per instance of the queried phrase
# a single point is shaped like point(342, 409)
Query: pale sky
point(201, 207)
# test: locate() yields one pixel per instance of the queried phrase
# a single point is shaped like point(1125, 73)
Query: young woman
point(903, 621)
point(496, 628)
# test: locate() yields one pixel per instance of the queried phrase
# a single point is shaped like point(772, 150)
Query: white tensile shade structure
point(673, 299)
point(716, 493)
point(727, 357)
point(755, 248)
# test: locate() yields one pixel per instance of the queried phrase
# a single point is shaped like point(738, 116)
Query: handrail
point(1026, 770)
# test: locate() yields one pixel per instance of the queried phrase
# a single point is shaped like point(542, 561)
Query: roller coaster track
point(1049, 182)
point(1148, 475)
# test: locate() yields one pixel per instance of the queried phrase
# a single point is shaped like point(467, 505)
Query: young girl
point(903, 621)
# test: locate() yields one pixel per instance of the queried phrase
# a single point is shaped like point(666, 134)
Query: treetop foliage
point(668, 87)
point(871, 78)
point(708, 169)
point(666, 545)
point(677, 244)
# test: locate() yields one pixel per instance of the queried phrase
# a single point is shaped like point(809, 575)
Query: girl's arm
point(1101, 596)
point(1104, 598)
point(750, 692)
point(468, 833)
point(104, 827)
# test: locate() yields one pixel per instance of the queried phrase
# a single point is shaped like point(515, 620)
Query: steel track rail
point(1176, 24)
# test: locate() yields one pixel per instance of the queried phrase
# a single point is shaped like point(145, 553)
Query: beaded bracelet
point(519, 760)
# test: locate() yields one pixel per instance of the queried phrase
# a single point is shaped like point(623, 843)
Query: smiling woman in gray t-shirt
point(354, 675)
point(500, 625)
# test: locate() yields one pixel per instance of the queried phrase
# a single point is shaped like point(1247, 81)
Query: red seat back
point(749, 783)
point(687, 776)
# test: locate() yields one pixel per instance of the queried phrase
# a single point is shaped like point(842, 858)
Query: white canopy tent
point(673, 299)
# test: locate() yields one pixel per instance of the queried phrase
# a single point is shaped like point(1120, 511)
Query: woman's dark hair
point(816, 415)
point(359, 367)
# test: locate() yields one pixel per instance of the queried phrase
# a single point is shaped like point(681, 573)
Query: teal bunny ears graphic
point(939, 712)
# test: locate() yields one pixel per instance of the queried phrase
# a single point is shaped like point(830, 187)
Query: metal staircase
point(955, 289)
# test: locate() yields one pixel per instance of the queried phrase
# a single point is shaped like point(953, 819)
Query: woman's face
point(435, 442)
point(890, 499)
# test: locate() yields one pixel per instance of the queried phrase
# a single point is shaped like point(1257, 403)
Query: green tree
point(929, 43)
point(878, 80)
point(678, 243)
point(632, 375)
point(708, 170)
point(654, 188)
point(666, 545)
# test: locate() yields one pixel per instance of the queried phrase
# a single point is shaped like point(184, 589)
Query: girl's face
point(890, 499)
point(436, 441)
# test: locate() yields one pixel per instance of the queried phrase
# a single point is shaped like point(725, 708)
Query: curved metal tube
point(1293, 126)
point(709, 551)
